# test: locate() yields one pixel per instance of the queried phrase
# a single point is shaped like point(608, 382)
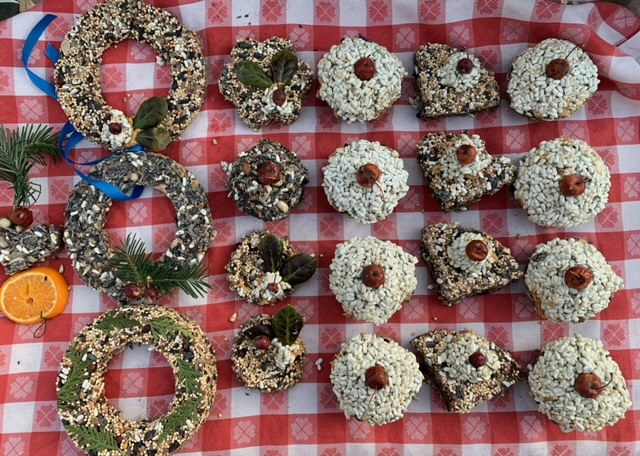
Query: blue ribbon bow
point(68, 132)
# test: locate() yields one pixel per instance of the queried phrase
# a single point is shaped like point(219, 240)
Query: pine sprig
point(188, 375)
point(94, 438)
point(19, 150)
point(68, 392)
point(116, 321)
point(132, 264)
point(177, 419)
point(166, 327)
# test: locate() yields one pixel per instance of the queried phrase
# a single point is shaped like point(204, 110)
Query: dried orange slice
point(34, 294)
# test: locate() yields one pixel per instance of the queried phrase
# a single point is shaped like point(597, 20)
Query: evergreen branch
point(132, 264)
point(19, 150)
point(115, 321)
point(178, 418)
point(94, 438)
point(188, 375)
point(189, 278)
point(68, 392)
point(165, 327)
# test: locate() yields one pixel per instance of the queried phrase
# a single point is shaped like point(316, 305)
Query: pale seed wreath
point(88, 243)
point(77, 72)
point(97, 427)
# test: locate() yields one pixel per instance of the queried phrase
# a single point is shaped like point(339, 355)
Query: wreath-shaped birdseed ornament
point(97, 427)
point(128, 273)
point(77, 75)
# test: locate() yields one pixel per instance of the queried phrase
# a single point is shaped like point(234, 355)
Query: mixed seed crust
point(455, 276)
point(86, 215)
point(454, 185)
point(77, 72)
point(444, 92)
point(22, 248)
point(254, 104)
point(273, 369)
point(446, 363)
point(98, 428)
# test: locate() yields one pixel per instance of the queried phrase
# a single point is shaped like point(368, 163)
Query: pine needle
point(132, 264)
point(19, 150)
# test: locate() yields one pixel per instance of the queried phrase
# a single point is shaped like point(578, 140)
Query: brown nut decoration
point(373, 276)
point(578, 277)
point(269, 173)
point(465, 66)
point(279, 97)
point(376, 377)
point(557, 68)
point(477, 359)
point(368, 174)
point(573, 185)
point(21, 217)
point(589, 385)
point(477, 250)
point(365, 68)
point(466, 154)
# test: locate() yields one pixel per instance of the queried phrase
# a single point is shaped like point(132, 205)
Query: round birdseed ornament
point(77, 75)
point(98, 428)
point(87, 242)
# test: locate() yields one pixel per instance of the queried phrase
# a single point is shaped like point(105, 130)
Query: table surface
point(306, 419)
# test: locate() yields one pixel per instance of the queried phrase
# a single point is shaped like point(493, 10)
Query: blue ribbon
point(69, 133)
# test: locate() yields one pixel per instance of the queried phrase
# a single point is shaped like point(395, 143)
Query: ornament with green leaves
point(146, 125)
point(286, 325)
point(20, 149)
point(146, 280)
point(283, 67)
point(292, 270)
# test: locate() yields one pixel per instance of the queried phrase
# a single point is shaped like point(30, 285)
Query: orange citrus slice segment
point(34, 294)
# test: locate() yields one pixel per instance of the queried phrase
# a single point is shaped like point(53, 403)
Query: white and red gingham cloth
point(306, 420)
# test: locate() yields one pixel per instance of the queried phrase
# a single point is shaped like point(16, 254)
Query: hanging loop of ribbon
point(68, 133)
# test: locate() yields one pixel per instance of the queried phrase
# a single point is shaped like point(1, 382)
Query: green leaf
point(284, 66)
point(151, 113)
point(287, 324)
point(178, 418)
point(298, 268)
point(154, 139)
point(250, 73)
point(188, 375)
point(94, 438)
point(116, 321)
point(271, 252)
point(167, 328)
point(69, 391)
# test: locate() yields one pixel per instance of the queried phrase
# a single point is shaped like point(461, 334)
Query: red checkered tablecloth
point(306, 420)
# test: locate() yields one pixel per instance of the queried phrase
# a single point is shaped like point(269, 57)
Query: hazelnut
point(578, 277)
point(133, 291)
point(466, 154)
point(261, 342)
point(115, 128)
point(273, 287)
point(376, 377)
point(368, 174)
point(269, 173)
point(465, 66)
point(573, 185)
point(151, 293)
point(557, 68)
point(279, 97)
point(477, 359)
point(589, 385)
point(476, 250)
point(365, 68)
point(373, 276)
point(21, 216)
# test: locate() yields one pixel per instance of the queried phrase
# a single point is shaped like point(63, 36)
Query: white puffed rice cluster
point(351, 98)
point(348, 379)
point(458, 257)
point(552, 382)
point(534, 94)
point(119, 140)
point(450, 76)
point(544, 280)
point(345, 194)
point(537, 187)
point(359, 300)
